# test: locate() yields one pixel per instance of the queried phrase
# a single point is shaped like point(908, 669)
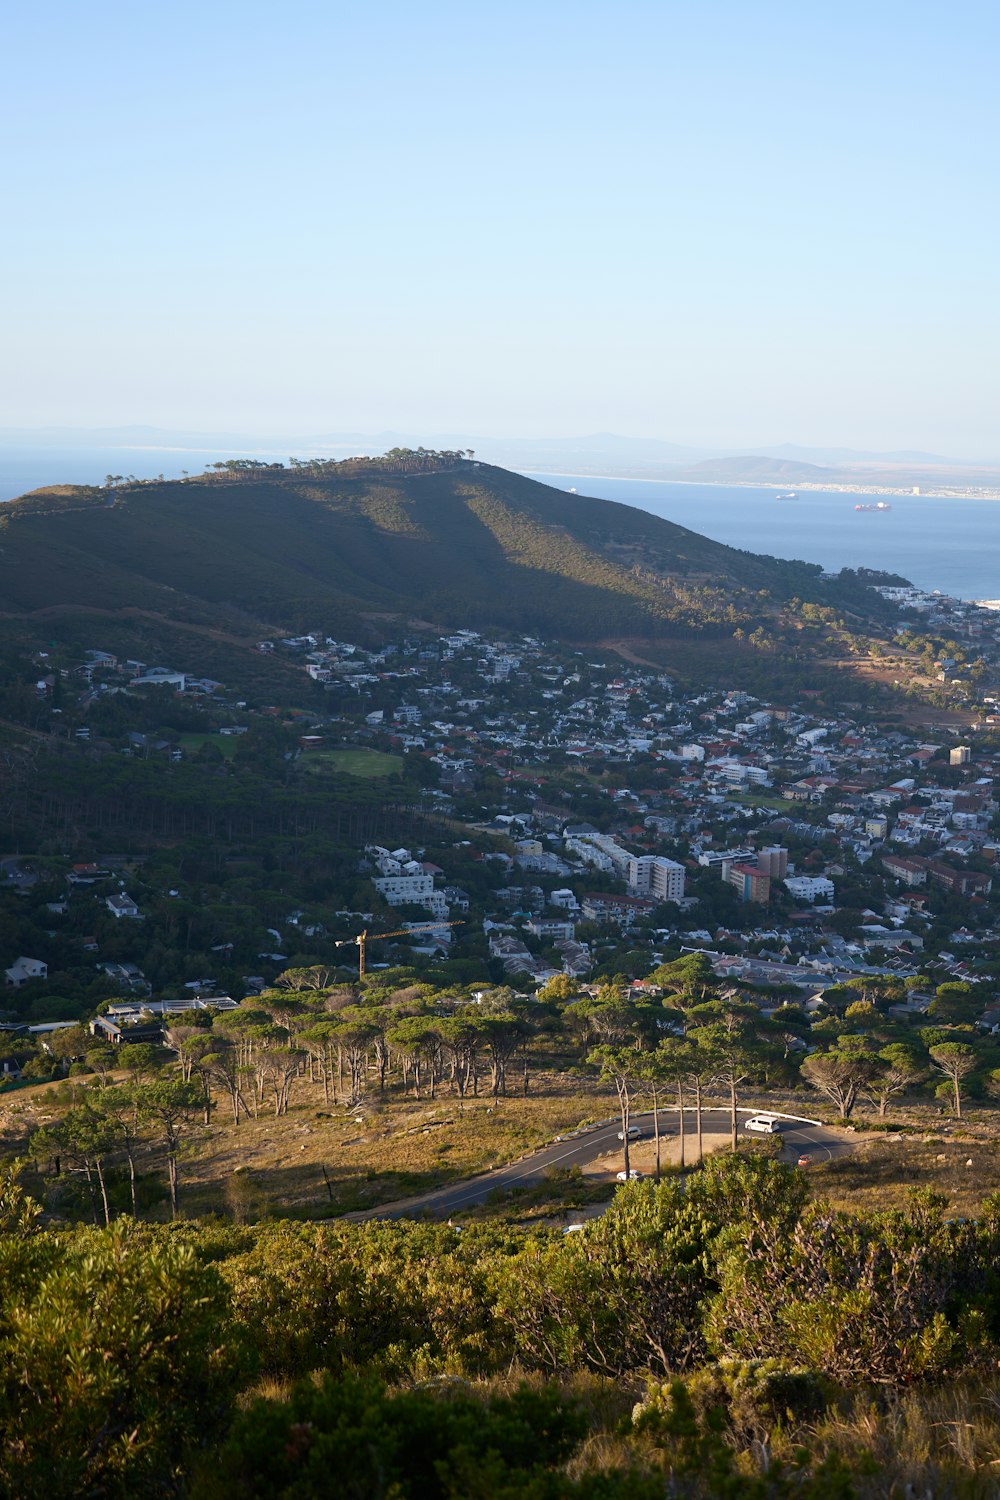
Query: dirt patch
point(642, 1155)
point(627, 649)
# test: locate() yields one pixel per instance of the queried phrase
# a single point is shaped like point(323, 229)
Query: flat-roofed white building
point(809, 888)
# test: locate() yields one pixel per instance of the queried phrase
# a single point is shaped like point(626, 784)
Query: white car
point(764, 1124)
point(632, 1176)
point(634, 1133)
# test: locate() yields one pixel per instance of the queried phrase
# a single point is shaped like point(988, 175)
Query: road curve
point(799, 1137)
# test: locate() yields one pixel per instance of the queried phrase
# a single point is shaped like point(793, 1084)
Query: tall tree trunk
point(172, 1175)
point(623, 1100)
point(131, 1178)
point(104, 1191)
point(93, 1195)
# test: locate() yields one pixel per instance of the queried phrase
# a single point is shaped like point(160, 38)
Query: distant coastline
point(945, 492)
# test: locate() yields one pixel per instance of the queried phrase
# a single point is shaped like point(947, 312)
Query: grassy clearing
point(369, 765)
point(752, 799)
point(226, 743)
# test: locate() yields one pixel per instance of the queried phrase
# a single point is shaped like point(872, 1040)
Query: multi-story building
point(397, 890)
point(909, 871)
point(714, 859)
point(552, 929)
point(599, 906)
point(773, 861)
point(750, 883)
point(809, 888)
point(963, 882)
point(652, 875)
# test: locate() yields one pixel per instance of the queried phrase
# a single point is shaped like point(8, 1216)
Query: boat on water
point(879, 505)
point(791, 495)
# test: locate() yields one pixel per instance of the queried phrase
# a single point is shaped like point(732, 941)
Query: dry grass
point(880, 1172)
point(392, 1148)
point(395, 1147)
point(941, 1442)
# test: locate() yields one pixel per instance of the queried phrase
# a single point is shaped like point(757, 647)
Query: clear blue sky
point(713, 221)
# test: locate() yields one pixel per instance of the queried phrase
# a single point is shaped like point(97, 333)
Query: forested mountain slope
point(465, 544)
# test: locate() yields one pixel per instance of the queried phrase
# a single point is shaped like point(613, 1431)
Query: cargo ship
point(879, 505)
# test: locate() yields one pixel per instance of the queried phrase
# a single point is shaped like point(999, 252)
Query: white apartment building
point(607, 845)
point(713, 858)
point(586, 851)
point(740, 773)
point(652, 875)
point(809, 888)
point(397, 890)
point(551, 929)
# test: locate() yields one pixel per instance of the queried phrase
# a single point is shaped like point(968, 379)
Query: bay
point(936, 543)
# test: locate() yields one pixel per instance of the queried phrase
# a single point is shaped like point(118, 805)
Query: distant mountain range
point(835, 456)
point(749, 468)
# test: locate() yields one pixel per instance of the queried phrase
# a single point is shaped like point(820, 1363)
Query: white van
point(764, 1124)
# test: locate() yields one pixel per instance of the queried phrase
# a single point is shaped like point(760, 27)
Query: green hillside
point(462, 544)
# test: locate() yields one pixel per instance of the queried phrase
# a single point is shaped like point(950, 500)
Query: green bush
point(754, 1396)
point(350, 1438)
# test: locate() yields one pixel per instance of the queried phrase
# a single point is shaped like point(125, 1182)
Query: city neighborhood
point(579, 815)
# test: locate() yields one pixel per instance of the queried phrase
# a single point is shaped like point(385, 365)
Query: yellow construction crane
point(366, 937)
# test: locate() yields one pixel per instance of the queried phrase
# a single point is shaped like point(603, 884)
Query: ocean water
point(23, 469)
point(951, 545)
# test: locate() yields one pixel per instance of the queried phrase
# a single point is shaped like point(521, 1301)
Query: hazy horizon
point(142, 436)
point(693, 223)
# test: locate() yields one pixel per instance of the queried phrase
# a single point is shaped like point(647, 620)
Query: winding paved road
point(799, 1137)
